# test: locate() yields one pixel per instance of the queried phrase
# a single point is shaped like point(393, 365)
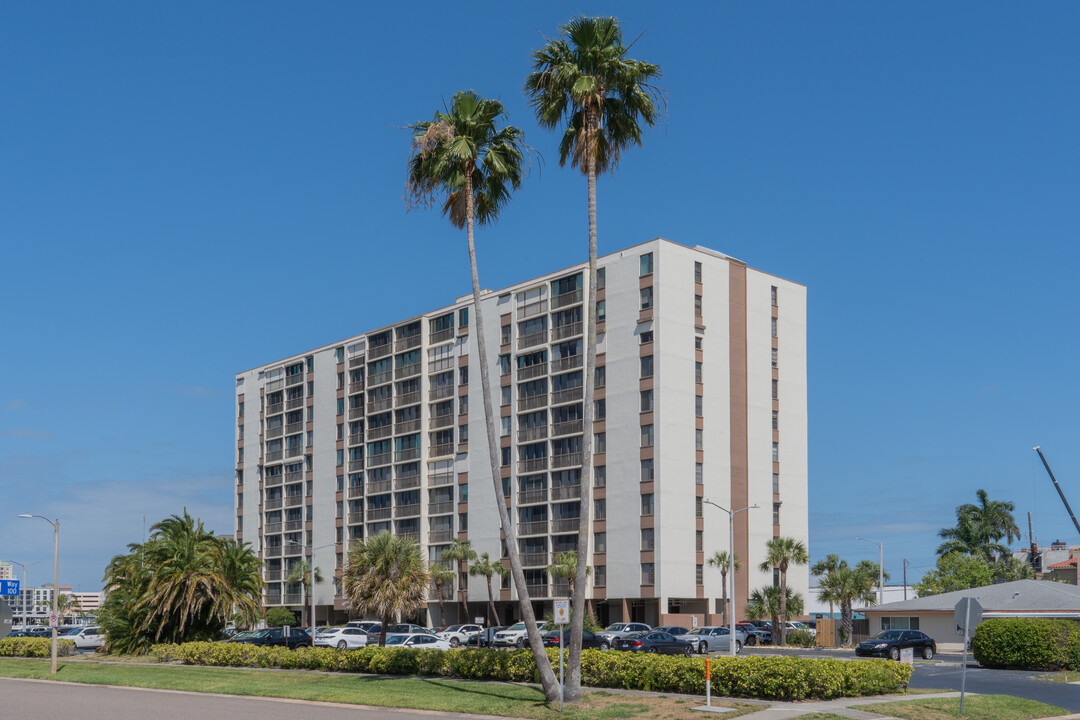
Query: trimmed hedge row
point(34, 647)
point(1028, 644)
point(777, 678)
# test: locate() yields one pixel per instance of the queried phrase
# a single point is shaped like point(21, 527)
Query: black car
point(297, 637)
point(654, 642)
point(588, 640)
point(487, 637)
point(754, 634)
point(889, 643)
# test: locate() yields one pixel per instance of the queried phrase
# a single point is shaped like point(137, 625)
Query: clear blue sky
point(191, 189)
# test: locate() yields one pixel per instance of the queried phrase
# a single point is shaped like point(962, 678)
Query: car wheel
point(687, 651)
point(894, 653)
point(751, 641)
point(521, 643)
point(928, 653)
point(342, 645)
point(454, 642)
point(703, 647)
point(651, 651)
point(604, 646)
point(738, 647)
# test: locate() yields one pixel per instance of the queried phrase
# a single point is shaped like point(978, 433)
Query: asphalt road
point(1019, 683)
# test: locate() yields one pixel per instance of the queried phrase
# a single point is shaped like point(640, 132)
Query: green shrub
point(35, 647)
point(1028, 644)
point(279, 617)
point(779, 678)
point(801, 638)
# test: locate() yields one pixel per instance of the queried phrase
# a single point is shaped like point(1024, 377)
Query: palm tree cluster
point(980, 528)
point(182, 584)
point(845, 586)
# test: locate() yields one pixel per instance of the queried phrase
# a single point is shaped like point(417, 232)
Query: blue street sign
point(9, 587)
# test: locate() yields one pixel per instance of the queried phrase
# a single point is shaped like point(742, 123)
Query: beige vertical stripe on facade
point(739, 453)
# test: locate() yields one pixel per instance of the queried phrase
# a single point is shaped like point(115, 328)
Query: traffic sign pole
point(963, 676)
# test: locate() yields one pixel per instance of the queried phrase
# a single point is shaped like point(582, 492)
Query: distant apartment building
point(700, 394)
point(6, 572)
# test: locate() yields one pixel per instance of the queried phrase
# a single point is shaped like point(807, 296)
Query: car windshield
point(699, 631)
point(635, 636)
point(615, 627)
point(396, 639)
point(888, 635)
point(517, 626)
point(453, 628)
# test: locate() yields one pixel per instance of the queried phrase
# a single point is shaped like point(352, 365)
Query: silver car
point(714, 637)
point(617, 630)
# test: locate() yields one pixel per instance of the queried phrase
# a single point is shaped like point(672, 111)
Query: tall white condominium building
point(701, 394)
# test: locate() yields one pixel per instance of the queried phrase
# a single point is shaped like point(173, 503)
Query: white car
point(421, 641)
point(457, 634)
point(793, 625)
point(516, 635)
point(345, 638)
point(88, 638)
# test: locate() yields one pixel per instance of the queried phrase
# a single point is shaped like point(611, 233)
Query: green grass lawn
point(516, 701)
point(1066, 676)
point(976, 707)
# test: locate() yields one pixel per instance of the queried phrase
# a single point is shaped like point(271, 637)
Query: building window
point(697, 272)
point(776, 513)
point(646, 264)
point(648, 574)
point(699, 541)
point(463, 404)
point(647, 366)
point(774, 357)
point(899, 623)
point(648, 539)
point(600, 409)
point(775, 419)
point(341, 406)
point(776, 483)
point(773, 326)
point(601, 278)
point(463, 492)
point(699, 473)
point(646, 298)
point(697, 372)
point(773, 293)
point(699, 574)
point(340, 457)
point(463, 433)
point(506, 457)
point(504, 364)
point(506, 422)
point(601, 310)
point(775, 389)
point(697, 306)
point(646, 436)
point(600, 443)
point(647, 472)
point(600, 509)
point(463, 318)
point(646, 400)
point(698, 410)
point(600, 475)
point(600, 576)
point(340, 354)
point(601, 376)
point(646, 337)
point(463, 522)
point(776, 452)
point(506, 396)
point(699, 439)
point(600, 542)
point(699, 507)
point(647, 504)
point(505, 334)
point(698, 340)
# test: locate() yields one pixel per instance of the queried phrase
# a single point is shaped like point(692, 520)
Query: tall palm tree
point(585, 80)
point(488, 568)
point(301, 574)
point(441, 575)
point(827, 567)
point(722, 560)
point(771, 602)
point(566, 566)
point(980, 528)
point(849, 585)
point(462, 156)
point(781, 553)
point(385, 576)
point(461, 552)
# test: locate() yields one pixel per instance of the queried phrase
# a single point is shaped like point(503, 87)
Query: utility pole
point(905, 578)
point(1033, 549)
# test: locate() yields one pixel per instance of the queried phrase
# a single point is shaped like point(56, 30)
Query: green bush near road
point(34, 647)
point(1028, 644)
point(776, 678)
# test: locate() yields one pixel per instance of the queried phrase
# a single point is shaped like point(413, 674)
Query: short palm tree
point(826, 567)
point(566, 566)
point(462, 156)
point(771, 602)
point(849, 585)
point(722, 560)
point(585, 81)
point(488, 568)
point(1010, 567)
point(385, 577)
point(780, 554)
point(301, 575)
point(461, 553)
point(440, 576)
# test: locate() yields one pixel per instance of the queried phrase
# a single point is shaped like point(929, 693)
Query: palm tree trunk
point(783, 607)
point(577, 619)
point(491, 605)
point(442, 609)
point(543, 664)
point(723, 579)
point(845, 621)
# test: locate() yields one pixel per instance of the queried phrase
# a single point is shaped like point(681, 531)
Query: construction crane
point(1057, 487)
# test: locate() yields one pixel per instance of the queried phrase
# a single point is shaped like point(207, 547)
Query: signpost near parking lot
point(968, 614)
point(562, 619)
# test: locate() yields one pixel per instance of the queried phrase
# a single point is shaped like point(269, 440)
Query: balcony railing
point(566, 460)
point(355, 518)
point(407, 483)
point(440, 393)
point(379, 486)
point(273, 504)
point(382, 513)
point(532, 371)
point(531, 497)
point(380, 459)
point(565, 525)
point(355, 413)
point(407, 371)
point(378, 433)
point(291, 477)
point(560, 397)
point(407, 510)
point(440, 479)
point(356, 491)
point(414, 536)
point(272, 551)
point(532, 403)
point(274, 455)
point(440, 450)
point(273, 480)
point(271, 528)
point(294, 403)
point(532, 309)
point(378, 351)
point(440, 508)
point(442, 421)
point(356, 465)
point(440, 536)
point(533, 528)
point(411, 398)
point(293, 428)
point(274, 599)
point(570, 427)
point(407, 427)
point(275, 408)
point(534, 559)
point(274, 385)
point(356, 384)
point(380, 378)
point(571, 362)
point(441, 336)
point(407, 343)
point(568, 298)
point(292, 599)
point(532, 465)
point(560, 588)
point(273, 576)
point(565, 331)
point(291, 550)
point(294, 501)
point(276, 432)
point(356, 361)
point(537, 338)
point(406, 455)
point(532, 434)
point(294, 379)
point(356, 439)
point(294, 451)
point(538, 590)
point(565, 492)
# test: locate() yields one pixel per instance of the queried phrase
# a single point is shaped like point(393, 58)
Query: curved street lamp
point(56, 576)
point(731, 567)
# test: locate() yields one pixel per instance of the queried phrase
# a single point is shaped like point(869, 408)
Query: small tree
point(565, 566)
point(767, 602)
point(484, 566)
point(386, 576)
point(722, 560)
point(781, 553)
point(461, 552)
point(280, 617)
point(823, 569)
point(955, 571)
point(301, 574)
point(440, 576)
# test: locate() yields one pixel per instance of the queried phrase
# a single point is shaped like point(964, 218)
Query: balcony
point(537, 591)
point(380, 378)
point(294, 525)
point(565, 331)
point(534, 559)
point(272, 433)
point(355, 518)
point(440, 479)
point(566, 299)
point(356, 465)
point(560, 588)
point(273, 504)
point(532, 465)
point(292, 599)
point(378, 433)
point(440, 508)
point(380, 459)
point(533, 309)
point(566, 460)
point(570, 427)
point(565, 492)
point(407, 371)
point(407, 428)
point(274, 385)
point(356, 361)
point(294, 380)
point(441, 450)
point(274, 456)
point(407, 483)
point(442, 421)
point(407, 455)
point(356, 491)
point(407, 343)
point(275, 408)
point(532, 497)
point(356, 385)
point(407, 510)
point(292, 477)
point(271, 528)
point(441, 336)
point(532, 402)
point(533, 528)
point(441, 393)
point(565, 525)
point(571, 362)
point(293, 428)
point(527, 341)
point(356, 439)
point(294, 501)
point(532, 371)
point(294, 403)
point(414, 536)
point(378, 351)
point(569, 395)
point(533, 434)
point(294, 451)
point(440, 536)
point(411, 398)
point(272, 551)
point(382, 513)
point(379, 486)
point(273, 599)
point(273, 480)
point(273, 576)
point(355, 413)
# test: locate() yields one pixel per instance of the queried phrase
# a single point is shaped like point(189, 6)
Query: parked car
point(614, 631)
point(297, 637)
point(675, 630)
point(457, 634)
point(486, 637)
point(364, 625)
point(754, 634)
point(342, 638)
point(19, 633)
point(889, 643)
point(374, 632)
point(795, 626)
point(243, 635)
point(87, 638)
point(588, 640)
point(423, 641)
point(765, 630)
point(713, 637)
point(653, 642)
point(516, 635)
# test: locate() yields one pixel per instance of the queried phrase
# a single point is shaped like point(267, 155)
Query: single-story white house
point(934, 615)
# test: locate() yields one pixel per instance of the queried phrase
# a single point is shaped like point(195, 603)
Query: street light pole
point(23, 589)
point(56, 576)
point(880, 568)
point(731, 570)
point(311, 585)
